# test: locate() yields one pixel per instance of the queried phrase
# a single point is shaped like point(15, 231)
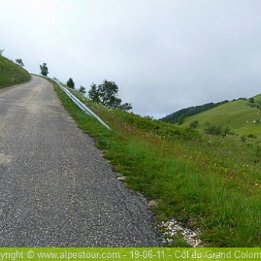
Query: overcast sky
point(163, 54)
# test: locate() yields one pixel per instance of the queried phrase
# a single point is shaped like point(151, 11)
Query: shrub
point(218, 130)
point(82, 89)
point(252, 136)
point(194, 124)
point(20, 62)
point(251, 100)
point(213, 130)
point(160, 128)
point(243, 138)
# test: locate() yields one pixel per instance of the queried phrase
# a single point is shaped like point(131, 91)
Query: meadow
point(240, 116)
point(206, 182)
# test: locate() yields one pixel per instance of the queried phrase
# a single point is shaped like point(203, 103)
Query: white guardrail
point(81, 105)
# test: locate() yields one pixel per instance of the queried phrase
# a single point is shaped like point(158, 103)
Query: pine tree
point(44, 69)
point(70, 83)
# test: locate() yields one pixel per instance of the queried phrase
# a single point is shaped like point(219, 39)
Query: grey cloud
point(163, 54)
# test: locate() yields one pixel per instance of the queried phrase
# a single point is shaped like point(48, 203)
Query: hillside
point(240, 116)
point(190, 111)
point(194, 178)
point(11, 73)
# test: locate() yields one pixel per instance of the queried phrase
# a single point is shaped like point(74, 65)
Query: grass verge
point(211, 183)
point(11, 73)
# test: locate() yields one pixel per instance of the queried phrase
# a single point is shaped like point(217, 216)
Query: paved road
point(55, 187)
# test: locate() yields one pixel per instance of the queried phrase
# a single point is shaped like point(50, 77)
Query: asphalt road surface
point(55, 187)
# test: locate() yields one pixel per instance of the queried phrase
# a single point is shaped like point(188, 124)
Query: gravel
point(172, 228)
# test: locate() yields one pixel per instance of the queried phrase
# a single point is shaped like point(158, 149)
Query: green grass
point(206, 182)
point(11, 73)
point(237, 115)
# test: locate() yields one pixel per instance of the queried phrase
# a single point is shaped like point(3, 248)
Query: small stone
point(173, 227)
point(121, 178)
point(154, 203)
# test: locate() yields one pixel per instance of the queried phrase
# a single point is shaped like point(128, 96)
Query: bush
point(82, 89)
point(252, 105)
point(218, 130)
point(213, 130)
point(194, 124)
point(251, 100)
point(160, 128)
point(252, 136)
point(243, 138)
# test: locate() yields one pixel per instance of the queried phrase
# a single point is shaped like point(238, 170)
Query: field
point(11, 73)
point(238, 115)
point(207, 182)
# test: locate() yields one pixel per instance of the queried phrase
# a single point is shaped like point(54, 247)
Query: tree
point(82, 89)
point(126, 107)
point(70, 83)
point(106, 94)
point(44, 69)
point(94, 93)
point(1, 51)
point(251, 100)
point(20, 62)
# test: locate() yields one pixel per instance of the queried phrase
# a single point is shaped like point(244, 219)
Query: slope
point(240, 116)
point(196, 181)
point(11, 73)
point(190, 111)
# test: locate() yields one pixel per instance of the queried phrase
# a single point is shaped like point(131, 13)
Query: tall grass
point(11, 73)
point(206, 182)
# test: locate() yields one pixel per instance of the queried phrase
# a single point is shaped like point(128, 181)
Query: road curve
point(55, 187)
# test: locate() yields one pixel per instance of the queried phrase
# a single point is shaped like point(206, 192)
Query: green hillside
point(240, 116)
point(11, 73)
point(197, 179)
point(180, 115)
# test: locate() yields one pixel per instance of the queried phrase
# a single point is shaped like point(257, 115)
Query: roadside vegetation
point(107, 94)
point(208, 182)
point(11, 73)
point(44, 69)
point(70, 83)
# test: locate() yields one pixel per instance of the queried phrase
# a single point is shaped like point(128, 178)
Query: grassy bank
point(206, 182)
point(11, 73)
